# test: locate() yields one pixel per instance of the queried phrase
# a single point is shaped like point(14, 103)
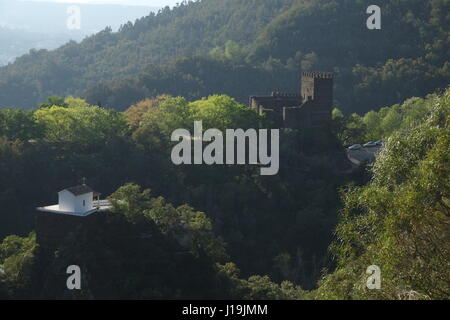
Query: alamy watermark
point(73, 21)
point(235, 147)
point(374, 21)
point(74, 280)
point(374, 280)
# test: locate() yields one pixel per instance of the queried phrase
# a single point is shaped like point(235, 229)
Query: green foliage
point(17, 258)
point(175, 255)
point(222, 112)
point(134, 113)
point(53, 101)
point(18, 125)
point(79, 123)
point(257, 287)
point(276, 229)
point(194, 49)
point(192, 229)
point(399, 221)
point(233, 203)
point(337, 114)
point(168, 114)
point(374, 125)
point(350, 129)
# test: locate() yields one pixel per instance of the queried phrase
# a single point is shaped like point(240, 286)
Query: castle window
point(84, 203)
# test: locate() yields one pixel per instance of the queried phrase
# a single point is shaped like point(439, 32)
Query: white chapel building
point(78, 201)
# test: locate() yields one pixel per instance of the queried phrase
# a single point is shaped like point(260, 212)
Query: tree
point(18, 124)
point(222, 112)
point(17, 263)
point(400, 220)
point(53, 101)
point(79, 124)
point(391, 121)
point(135, 113)
point(257, 287)
point(372, 121)
point(352, 129)
point(233, 51)
point(191, 228)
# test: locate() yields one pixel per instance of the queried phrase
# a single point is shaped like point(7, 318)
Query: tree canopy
point(245, 47)
point(400, 220)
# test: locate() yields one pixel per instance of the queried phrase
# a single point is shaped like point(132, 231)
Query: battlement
point(318, 75)
point(284, 94)
point(309, 109)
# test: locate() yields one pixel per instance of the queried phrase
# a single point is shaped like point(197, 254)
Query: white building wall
point(83, 203)
point(66, 201)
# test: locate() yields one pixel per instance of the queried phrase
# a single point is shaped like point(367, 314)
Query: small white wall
point(66, 201)
point(75, 204)
point(83, 203)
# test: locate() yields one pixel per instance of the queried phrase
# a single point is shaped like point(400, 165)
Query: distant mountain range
point(16, 42)
point(51, 18)
point(43, 25)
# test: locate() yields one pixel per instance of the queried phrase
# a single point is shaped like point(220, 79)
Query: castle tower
point(318, 86)
point(317, 97)
point(312, 109)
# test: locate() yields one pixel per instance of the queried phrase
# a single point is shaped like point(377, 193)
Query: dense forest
point(194, 49)
point(249, 236)
point(102, 111)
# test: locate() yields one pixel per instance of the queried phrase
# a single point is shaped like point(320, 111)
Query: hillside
point(18, 42)
point(274, 229)
point(26, 25)
point(267, 41)
point(106, 113)
point(399, 221)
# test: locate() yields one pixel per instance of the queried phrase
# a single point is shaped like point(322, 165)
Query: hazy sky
point(154, 3)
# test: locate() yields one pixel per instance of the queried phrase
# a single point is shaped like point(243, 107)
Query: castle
point(311, 109)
